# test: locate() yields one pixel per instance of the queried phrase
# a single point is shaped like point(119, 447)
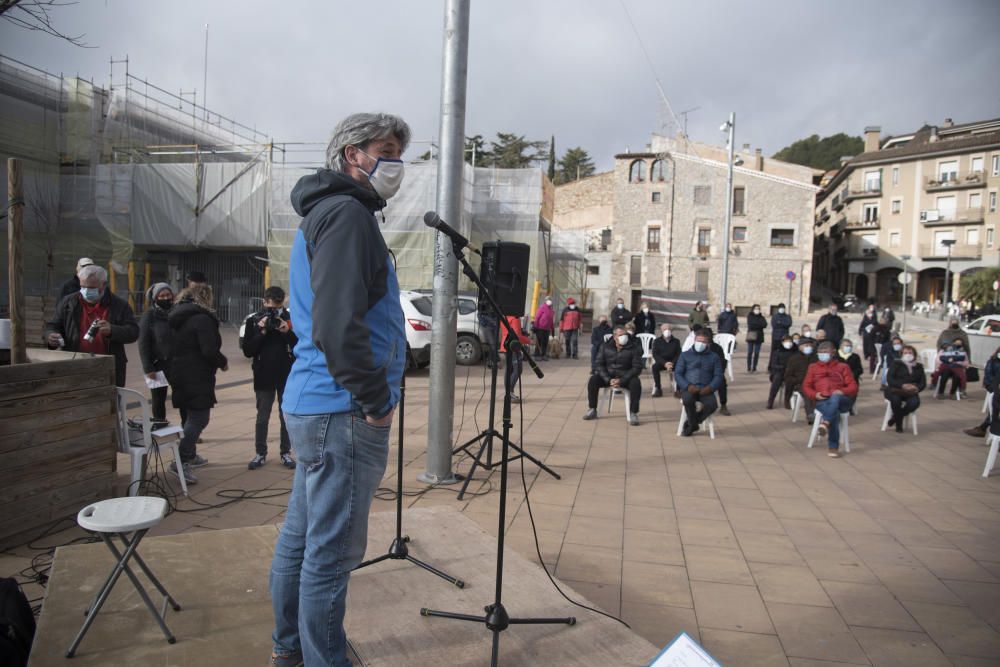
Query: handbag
point(972, 374)
point(753, 336)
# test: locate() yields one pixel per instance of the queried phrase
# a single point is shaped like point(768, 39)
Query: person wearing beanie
point(155, 346)
point(72, 285)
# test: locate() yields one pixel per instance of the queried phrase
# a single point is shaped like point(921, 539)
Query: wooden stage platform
point(220, 580)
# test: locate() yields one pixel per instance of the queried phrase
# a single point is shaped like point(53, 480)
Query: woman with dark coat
point(868, 330)
point(154, 346)
point(781, 325)
point(905, 381)
point(756, 323)
point(851, 358)
point(197, 355)
point(776, 368)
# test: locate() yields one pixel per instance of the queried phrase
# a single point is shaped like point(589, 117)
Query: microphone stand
point(496, 617)
point(398, 549)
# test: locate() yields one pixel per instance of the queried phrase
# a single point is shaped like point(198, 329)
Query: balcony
point(856, 225)
point(704, 250)
point(862, 251)
point(837, 204)
point(958, 251)
point(948, 182)
point(869, 190)
point(962, 216)
point(837, 228)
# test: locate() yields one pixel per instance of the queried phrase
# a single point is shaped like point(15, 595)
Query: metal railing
point(958, 251)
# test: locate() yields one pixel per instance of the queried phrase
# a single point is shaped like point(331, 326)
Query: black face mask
point(163, 304)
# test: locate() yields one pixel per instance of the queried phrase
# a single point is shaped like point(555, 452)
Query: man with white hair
point(344, 384)
point(72, 285)
point(93, 320)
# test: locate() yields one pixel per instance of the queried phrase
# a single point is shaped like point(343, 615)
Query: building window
point(637, 172)
point(948, 171)
point(782, 238)
point(977, 165)
point(656, 171)
point(989, 237)
point(739, 200)
point(993, 202)
point(972, 236)
point(896, 206)
point(995, 170)
point(873, 181)
point(895, 175)
point(653, 239)
point(593, 270)
point(656, 197)
point(605, 239)
point(894, 240)
point(635, 271)
point(869, 213)
point(703, 195)
point(701, 281)
point(704, 242)
point(975, 199)
point(739, 234)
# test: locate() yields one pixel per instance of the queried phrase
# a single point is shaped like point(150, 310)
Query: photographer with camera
point(268, 339)
point(93, 320)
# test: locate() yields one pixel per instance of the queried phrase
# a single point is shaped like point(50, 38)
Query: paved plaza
point(766, 552)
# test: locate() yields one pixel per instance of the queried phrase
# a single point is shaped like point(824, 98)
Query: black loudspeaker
point(504, 272)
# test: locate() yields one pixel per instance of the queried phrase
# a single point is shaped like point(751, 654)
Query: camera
point(91, 332)
point(274, 320)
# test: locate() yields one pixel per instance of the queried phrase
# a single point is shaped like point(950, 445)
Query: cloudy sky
point(569, 68)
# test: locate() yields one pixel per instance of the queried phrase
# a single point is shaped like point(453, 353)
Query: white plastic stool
point(136, 515)
point(684, 419)
point(991, 458)
point(844, 437)
point(888, 415)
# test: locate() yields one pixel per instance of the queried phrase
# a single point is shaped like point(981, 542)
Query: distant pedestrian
point(569, 326)
point(72, 285)
point(756, 324)
point(727, 322)
point(645, 321)
point(155, 346)
point(620, 315)
point(832, 325)
point(543, 326)
point(597, 336)
point(698, 315)
point(781, 326)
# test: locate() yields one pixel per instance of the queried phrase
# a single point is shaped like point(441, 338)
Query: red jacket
point(825, 378)
point(570, 319)
point(515, 324)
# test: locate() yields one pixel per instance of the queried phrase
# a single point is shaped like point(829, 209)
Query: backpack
point(17, 625)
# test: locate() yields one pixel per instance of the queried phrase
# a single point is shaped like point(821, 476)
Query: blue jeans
point(340, 462)
point(571, 343)
point(831, 409)
point(753, 354)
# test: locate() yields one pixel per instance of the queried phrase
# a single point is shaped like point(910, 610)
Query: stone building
point(904, 200)
point(656, 222)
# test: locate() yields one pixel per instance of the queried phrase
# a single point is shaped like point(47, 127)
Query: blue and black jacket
point(344, 300)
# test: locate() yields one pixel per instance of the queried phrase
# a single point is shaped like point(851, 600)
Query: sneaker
point(186, 468)
point(833, 454)
point(821, 431)
point(686, 432)
point(725, 411)
point(290, 660)
point(287, 460)
point(198, 461)
point(514, 398)
point(976, 432)
point(590, 414)
point(257, 462)
point(657, 392)
point(633, 419)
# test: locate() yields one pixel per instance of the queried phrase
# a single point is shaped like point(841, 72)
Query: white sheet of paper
point(159, 381)
point(684, 652)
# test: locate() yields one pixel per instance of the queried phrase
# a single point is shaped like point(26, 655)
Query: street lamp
point(948, 243)
point(729, 125)
point(906, 286)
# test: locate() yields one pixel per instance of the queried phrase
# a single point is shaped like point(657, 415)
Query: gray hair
point(94, 270)
point(359, 129)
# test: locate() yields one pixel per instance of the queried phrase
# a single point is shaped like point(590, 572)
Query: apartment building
point(656, 222)
point(908, 199)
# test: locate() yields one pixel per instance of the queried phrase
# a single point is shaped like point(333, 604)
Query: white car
point(418, 311)
point(984, 338)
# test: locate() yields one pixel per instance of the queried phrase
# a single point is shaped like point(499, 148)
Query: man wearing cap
point(569, 326)
point(72, 285)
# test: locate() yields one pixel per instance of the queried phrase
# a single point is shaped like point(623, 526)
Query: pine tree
point(552, 159)
point(574, 165)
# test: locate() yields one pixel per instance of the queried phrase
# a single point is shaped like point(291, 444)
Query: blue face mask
point(823, 356)
point(91, 294)
point(699, 346)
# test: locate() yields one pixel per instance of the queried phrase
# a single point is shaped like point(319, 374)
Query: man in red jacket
point(569, 326)
point(830, 383)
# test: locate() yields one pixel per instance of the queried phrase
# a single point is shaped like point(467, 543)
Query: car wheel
point(468, 351)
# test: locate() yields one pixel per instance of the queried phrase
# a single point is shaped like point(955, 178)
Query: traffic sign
point(905, 278)
point(790, 275)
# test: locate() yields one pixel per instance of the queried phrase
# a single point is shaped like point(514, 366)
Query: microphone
point(432, 219)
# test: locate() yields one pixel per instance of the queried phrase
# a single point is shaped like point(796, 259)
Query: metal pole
point(441, 410)
point(204, 80)
point(729, 212)
point(902, 325)
point(15, 257)
point(947, 291)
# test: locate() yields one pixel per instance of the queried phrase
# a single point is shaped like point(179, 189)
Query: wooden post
point(112, 282)
point(147, 277)
point(267, 276)
point(131, 284)
point(15, 268)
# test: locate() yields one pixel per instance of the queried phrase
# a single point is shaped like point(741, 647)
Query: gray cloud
point(569, 68)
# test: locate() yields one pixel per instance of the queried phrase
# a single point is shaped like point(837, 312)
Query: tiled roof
point(921, 144)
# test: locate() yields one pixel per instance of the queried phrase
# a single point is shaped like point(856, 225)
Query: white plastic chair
point(888, 415)
point(878, 362)
point(844, 436)
point(728, 343)
point(796, 403)
point(152, 440)
point(928, 359)
point(610, 393)
point(684, 418)
point(939, 387)
point(991, 459)
point(987, 402)
point(646, 339)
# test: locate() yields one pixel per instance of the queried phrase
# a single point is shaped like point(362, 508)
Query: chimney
point(947, 123)
point(934, 135)
point(746, 148)
point(758, 160)
point(872, 138)
point(844, 159)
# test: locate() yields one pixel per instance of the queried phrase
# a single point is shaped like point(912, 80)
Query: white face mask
point(781, 311)
point(645, 310)
point(908, 358)
point(548, 302)
point(807, 350)
point(847, 350)
point(386, 176)
point(806, 333)
point(787, 345)
point(756, 311)
point(572, 306)
point(622, 339)
point(668, 335)
point(699, 346)
point(621, 305)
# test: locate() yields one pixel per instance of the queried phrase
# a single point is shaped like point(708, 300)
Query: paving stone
point(870, 605)
point(898, 648)
point(815, 632)
point(957, 629)
point(717, 564)
point(793, 584)
point(743, 648)
point(730, 607)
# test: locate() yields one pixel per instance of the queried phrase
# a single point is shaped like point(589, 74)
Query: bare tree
point(37, 15)
point(42, 206)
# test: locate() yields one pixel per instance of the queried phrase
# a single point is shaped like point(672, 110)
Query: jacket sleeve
point(146, 342)
point(56, 324)
point(921, 377)
point(253, 339)
point(126, 329)
point(718, 378)
point(209, 342)
point(852, 384)
point(680, 373)
point(809, 383)
point(657, 349)
point(602, 365)
point(346, 261)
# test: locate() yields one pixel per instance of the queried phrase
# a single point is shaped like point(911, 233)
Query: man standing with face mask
point(832, 325)
point(93, 320)
point(620, 315)
point(344, 384)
